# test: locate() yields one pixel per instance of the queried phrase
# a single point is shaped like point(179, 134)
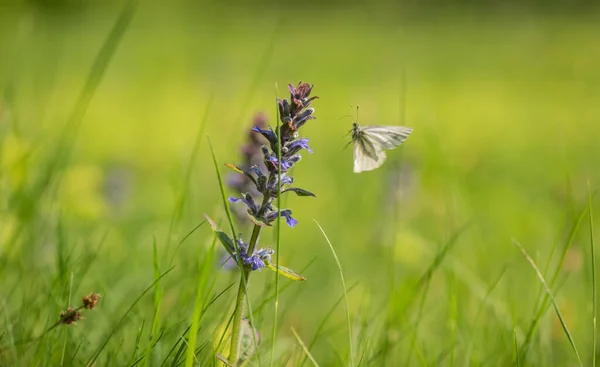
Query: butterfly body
point(370, 143)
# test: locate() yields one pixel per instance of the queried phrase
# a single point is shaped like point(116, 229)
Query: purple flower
point(285, 165)
point(265, 254)
point(301, 119)
point(248, 200)
point(286, 180)
point(255, 262)
point(299, 95)
point(243, 247)
point(286, 213)
point(272, 185)
point(284, 111)
point(295, 146)
point(256, 171)
point(269, 134)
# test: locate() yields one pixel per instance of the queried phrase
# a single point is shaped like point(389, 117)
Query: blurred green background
point(503, 98)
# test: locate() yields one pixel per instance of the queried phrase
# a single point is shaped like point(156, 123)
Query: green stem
point(236, 335)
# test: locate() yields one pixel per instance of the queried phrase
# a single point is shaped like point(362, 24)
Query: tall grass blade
point(517, 359)
point(345, 294)
point(203, 275)
point(324, 321)
point(138, 339)
point(424, 282)
point(182, 337)
point(442, 254)
point(157, 301)
point(121, 321)
point(95, 76)
point(64, 351)
point(551, 296)
point(593, 260)
point(64, 146)
point(222, 187)
point(278, 239)
point(312, 359)
point(183, 240)
point(149, 349)
point(542, 309)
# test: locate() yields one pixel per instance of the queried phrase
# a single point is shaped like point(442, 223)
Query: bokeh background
point(503, 97)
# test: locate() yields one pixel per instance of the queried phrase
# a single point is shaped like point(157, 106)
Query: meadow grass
point(106, 174)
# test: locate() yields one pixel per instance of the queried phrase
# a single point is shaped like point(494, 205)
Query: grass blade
point(98, 68)
point(278, 238)
point(517, 359)
point(222, 187)
point(312, 359)
point(324, 321)
point(345, 294)
point(441, 255)
point(157, 302)
point(542, 309)
point(51, 172)
point(203, 275)
point(593, 260)
point(551, 296)
point(122, 319)
point(183, 240)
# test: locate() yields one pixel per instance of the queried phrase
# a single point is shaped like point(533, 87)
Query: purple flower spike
point(266, 174)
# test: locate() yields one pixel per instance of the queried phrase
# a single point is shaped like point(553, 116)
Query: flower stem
point(236, 335)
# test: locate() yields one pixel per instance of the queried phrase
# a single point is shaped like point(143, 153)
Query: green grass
point(105, 177)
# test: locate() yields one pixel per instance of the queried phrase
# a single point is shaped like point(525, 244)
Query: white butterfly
point(370, 142)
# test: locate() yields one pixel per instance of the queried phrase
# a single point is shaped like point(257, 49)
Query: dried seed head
point(91, 300)
point(70, 316)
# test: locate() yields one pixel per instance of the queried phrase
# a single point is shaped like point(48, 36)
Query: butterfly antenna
point(345, 116)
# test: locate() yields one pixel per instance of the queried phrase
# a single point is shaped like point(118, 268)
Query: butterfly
point(371, 141)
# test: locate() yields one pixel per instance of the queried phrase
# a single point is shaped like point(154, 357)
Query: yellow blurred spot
point(409, 247)
point(13, 154)
point(224, 347)
point(81, 192)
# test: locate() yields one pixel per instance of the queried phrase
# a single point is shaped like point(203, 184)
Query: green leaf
point(223, 237)
point(227, 242)
point(286, 272)
point(299, 192)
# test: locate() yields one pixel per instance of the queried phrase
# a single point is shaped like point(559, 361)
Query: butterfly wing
point(367, 155)
point(386, 137)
